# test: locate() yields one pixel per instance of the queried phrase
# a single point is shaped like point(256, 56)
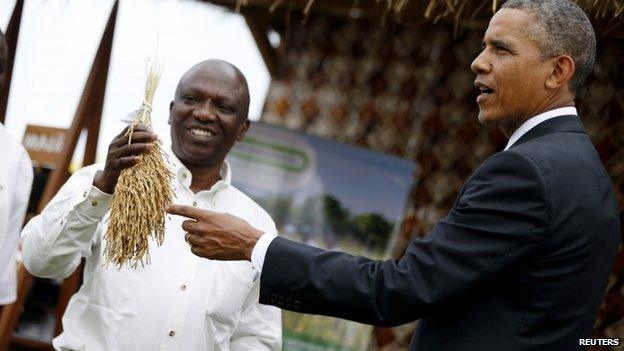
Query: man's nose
point(480, 64)
point(204, 111)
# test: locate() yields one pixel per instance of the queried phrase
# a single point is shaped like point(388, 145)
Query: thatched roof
point(264, 15)
point(414, 10)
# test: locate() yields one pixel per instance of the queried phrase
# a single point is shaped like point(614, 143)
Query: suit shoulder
point(510, 162)
point(563, 154)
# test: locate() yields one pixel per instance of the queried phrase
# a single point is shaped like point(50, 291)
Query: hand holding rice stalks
point(140, 196)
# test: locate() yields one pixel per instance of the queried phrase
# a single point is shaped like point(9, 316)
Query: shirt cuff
point(260, 249)
point(95, 204)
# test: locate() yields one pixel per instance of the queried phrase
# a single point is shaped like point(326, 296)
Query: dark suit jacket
point(520, 262)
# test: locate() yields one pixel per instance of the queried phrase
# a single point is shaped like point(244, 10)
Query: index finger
point(184, 211)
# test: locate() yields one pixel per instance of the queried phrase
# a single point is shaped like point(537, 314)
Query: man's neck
point(204, 177)
point(511, 125)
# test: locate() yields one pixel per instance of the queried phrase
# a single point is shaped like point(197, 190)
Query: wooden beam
point(259, 33)
point(89, 107)
point(11, 36)
point(96, 103)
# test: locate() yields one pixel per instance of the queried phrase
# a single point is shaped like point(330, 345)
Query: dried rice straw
point(141, 194)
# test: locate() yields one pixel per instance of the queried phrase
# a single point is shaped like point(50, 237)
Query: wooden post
point(88, 113)
point(11, 40)
point(259, 32)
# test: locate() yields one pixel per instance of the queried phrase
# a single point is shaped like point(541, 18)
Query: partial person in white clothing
point(179, 301)
point(16, 175)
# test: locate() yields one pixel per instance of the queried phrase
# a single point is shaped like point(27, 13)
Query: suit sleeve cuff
point(260, 249)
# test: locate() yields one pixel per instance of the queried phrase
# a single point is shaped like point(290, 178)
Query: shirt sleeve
point(260, 249)
point(54, 241)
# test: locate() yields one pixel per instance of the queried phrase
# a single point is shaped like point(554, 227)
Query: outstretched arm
point(497, 221)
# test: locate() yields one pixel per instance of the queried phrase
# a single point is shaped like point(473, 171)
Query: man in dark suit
point(522, 259)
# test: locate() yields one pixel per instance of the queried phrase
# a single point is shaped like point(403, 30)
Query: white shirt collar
point(535, 120)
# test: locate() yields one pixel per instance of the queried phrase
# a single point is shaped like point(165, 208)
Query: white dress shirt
point(262, 245)
point(178, 302)
point(16, 175)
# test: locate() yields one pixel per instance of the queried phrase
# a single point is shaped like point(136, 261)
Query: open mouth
point(484, 91)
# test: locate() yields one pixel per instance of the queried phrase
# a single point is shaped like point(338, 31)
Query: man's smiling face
point(209, 113)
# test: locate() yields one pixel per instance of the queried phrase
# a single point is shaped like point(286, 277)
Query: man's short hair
point(561, 27)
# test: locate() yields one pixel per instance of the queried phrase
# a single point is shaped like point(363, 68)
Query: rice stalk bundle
point(138, 204)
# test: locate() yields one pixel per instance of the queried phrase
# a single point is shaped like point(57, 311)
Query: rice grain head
point(137, 211)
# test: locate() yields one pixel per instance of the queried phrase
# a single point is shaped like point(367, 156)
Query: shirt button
point(1, 188)
point(194, 203)
point(172, 333)
point(93, 203)
point(84, 194)
point(184, 175)
point(183, 287)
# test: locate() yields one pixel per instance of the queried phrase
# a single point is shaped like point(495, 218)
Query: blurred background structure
point(391, 76)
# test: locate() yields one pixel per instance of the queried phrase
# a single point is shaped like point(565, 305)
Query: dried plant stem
point(141, 194)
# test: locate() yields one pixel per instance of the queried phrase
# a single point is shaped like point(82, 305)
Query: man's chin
point(485, 119)
point(198, 160)
point(205, 161)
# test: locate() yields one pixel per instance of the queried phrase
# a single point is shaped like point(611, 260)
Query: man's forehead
point(197, 80)
point(508, 26)
point(202, 79)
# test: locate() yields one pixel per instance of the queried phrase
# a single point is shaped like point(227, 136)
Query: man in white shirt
point(179, 301)
point(522, 259)
point(16, 175)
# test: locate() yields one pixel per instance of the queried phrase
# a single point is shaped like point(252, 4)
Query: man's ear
point(170, 108)
point(562, 72)
point(242, 130)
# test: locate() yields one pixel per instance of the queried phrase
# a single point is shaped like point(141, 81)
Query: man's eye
point(189, 98)
point(225, 108)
